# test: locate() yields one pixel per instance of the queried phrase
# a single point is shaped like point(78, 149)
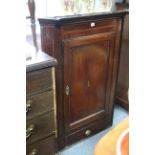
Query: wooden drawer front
point(39, 103)
point(38, 80)
point(40, 127)
point(87, 131)
point(43, 147)
point(88, 28)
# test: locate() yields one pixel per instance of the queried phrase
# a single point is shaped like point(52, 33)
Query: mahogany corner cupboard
point(87, 48)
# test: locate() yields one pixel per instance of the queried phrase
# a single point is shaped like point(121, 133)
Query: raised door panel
point(86, 74)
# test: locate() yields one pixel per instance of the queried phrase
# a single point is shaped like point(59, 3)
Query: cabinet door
point(87, 69)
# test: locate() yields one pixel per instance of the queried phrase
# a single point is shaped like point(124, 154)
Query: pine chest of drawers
point(41, 131)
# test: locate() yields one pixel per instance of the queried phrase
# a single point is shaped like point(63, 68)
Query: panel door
point(87, 68)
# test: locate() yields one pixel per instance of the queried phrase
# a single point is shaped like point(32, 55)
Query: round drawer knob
point(30, 130)
point(28, 105)
point(88, 132)
point(92, 24)
point(34, 152)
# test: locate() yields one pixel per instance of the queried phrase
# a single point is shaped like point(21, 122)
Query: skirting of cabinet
point(87, 131)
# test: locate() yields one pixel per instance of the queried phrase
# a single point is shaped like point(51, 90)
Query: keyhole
point(88, 83)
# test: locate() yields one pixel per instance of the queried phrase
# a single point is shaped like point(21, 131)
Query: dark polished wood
point(46, 146)
point(87, 72)
point(87, 48)
point(43, 127)
point(123, 75)
point(41, 130)
point(37, 81)
point(81, 18)
point(40, 103)
point(94, 127)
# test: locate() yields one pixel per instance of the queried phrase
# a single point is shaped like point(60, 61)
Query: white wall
point(53, 7)
point(40, 8)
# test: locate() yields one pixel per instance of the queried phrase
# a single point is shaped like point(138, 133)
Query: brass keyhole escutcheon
point(67, 90)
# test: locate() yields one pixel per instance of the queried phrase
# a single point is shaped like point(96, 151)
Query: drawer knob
point(88, 132)
point(92, 24)
point(30, 130)
point(28, 105)
point(34, 152)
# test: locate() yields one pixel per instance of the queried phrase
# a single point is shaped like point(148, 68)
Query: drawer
point(40, 127)
point(38, 80)
point(39, 103)
point(88, 28)
point(87, 131)
point(44, 147)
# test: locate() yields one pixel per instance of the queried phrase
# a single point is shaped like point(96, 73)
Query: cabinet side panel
point(123, 76)
point(47, 39)
point(51, 44)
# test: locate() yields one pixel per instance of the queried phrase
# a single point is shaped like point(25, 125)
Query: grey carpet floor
point(86, 146)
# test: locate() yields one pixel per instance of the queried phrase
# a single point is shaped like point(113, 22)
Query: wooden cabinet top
point(36, 60)
point(61, 20)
